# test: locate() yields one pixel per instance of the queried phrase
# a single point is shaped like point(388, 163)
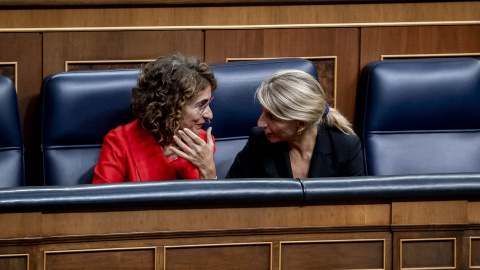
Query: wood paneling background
point(342, 43)
point(237, 15)
point(59, 47)
point(382, 235)
point(40, 39)
point(418, 40)
point(331, 236)
point(26, 50)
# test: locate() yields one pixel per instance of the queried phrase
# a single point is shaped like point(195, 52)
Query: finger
point(186, 138)
point(209, 136)
point(180, 153)
point(193, 136)
point(182, 145)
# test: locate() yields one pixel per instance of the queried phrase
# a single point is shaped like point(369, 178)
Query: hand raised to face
point(196, 151)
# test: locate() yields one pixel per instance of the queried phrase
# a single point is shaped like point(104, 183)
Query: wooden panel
point(342, 43)
point(14, 261)
point(326, 71)
point(428, 247)
point(104, 65)
point(101, 259)
point(474, 258)
point(121, 3)
point(353, 254)
point(248, 256)
point(378, 41)
point(133, 45)
point(239, 15)
point(20, 225)
point(429, 212)
point(428, 253)
point(214, 219)
point(474, 212)
point(9, 70)
point(25, 49)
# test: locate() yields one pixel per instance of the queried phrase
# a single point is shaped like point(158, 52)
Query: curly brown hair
point(163, 89)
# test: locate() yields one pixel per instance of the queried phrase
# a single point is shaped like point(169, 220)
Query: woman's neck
point(304, 144)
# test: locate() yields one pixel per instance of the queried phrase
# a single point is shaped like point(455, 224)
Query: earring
point(299, 132)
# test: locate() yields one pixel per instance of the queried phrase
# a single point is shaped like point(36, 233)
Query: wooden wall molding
point(470, 255)
point(236, 253)
point(330, 87)
point(113, 63)
point(132, 3)
point(58, 238)
point(351, 254)
point(75, 257)
point(15, 72)
point(13, 256)
point(236, 27)
point(439, 55)
point(432, 246)
point(240, 16)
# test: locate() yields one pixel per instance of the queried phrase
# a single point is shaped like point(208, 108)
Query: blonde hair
point(296, 95)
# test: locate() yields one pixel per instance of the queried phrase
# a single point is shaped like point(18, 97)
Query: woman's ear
point(301, 126)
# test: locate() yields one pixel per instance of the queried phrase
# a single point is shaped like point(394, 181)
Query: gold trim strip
point(46, 252)
point(234, 27)
point(334, 241)
point(221, 244)
point(166, 3)
point(13, 255)
point(430, 239)
point(334, 58)
point(105, 62)
point(15, 64)
point(383, 57)
point(17, 255)
point(218, 245)
point(470, 253)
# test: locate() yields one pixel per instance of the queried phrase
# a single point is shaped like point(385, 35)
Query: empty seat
point(79, 108)
point(11, 139)
point(421, 116)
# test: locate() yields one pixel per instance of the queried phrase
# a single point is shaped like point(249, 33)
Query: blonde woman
point(298, 134)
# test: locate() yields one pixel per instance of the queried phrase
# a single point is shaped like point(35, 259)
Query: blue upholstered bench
point(79, 108)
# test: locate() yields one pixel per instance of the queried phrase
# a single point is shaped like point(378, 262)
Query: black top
point(335, 154)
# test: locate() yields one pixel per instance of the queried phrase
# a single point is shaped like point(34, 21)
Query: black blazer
point(335, 154)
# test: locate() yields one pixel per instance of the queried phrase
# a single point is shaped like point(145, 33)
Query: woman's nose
point(207, 113)
point(261, 122)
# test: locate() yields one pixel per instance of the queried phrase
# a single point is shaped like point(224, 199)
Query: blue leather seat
point(11, 139)
point(79, 108)
point(421, 116)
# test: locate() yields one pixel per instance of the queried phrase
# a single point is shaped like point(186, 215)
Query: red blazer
point(131, 154)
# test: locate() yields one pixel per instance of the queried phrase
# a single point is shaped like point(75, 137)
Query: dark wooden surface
point(341, 43)
point(350, 235)
point(130, 3)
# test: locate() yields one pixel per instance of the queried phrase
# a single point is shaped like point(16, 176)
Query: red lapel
point(147, 155)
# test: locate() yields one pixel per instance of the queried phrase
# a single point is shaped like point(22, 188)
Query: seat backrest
point(421, 116)
point(11, 139)
point(79, 108)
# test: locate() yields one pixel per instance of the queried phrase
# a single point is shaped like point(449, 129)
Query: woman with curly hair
point(170, 104)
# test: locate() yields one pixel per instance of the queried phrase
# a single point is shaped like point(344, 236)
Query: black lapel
point(321, 164)
point(277, 164)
